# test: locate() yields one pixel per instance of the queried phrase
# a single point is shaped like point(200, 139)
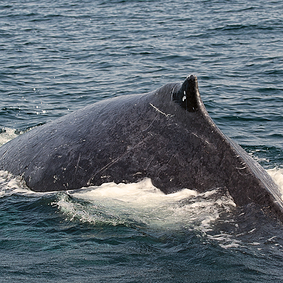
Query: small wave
point(242, 27)
point(225, 240)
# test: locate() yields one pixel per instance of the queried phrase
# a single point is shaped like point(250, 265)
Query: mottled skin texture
point(166, 135)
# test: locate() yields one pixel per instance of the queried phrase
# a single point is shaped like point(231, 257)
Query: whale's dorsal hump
point(188, 95)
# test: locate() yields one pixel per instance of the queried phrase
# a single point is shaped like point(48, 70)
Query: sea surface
point(59, 56)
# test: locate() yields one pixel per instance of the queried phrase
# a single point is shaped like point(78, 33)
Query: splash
point(9, 184)
point(7, 134)
point(142, 204)
point(277, 176)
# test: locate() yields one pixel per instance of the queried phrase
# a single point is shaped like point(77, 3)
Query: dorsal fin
point(187, 96)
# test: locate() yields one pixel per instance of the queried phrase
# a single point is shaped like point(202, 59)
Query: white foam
point(143, 204)
point(142, 194)
point(9, 184)
point(225, 240)
point(277, 176)
point(7, 135)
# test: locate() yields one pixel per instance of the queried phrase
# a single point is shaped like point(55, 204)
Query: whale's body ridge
point(166, 135)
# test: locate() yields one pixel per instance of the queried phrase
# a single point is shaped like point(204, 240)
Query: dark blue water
point(58, 56)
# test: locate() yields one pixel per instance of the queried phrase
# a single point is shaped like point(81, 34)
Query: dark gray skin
point(166, 135)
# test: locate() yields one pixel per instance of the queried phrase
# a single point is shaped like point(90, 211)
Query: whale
point(166, 135)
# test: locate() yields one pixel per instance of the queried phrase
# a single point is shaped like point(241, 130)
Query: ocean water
point(58, 56)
